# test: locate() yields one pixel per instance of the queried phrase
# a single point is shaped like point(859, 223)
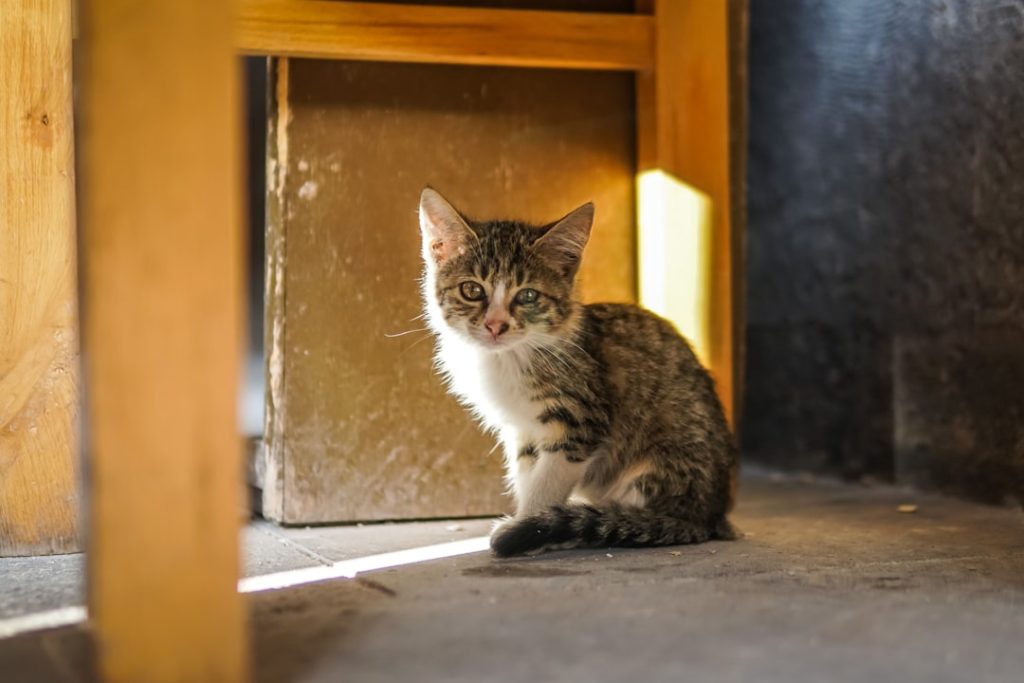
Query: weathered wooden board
point(39, 498)
point(359, 427)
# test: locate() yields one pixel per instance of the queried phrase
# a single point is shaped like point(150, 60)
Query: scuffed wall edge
point(274, 450)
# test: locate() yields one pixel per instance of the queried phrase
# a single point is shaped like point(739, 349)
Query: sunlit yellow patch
point(674, 251)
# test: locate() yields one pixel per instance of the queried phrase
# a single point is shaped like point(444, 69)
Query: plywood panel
point(38, 341)
point(162, 287)
point(360, 428)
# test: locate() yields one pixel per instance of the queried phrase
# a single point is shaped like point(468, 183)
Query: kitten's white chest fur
point(492, 385)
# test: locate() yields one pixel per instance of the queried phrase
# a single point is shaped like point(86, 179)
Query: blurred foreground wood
point(162, 336)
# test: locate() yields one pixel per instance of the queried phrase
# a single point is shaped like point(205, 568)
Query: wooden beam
point(683, 136)
point(739, 17)
point(38, 341)
point(162, 336)
point(451, 35)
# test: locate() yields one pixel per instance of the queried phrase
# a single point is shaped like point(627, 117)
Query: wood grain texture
point(360, 425)
point(683, 117)
point(453, 35)
point(38, 342)
point(162, 284)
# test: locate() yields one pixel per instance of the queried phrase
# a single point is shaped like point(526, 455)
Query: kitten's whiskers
point(402, 334)
point(415, 344)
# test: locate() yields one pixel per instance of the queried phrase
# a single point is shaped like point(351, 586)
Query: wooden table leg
point(161, 258)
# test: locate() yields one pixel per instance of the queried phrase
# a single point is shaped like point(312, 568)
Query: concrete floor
point(831, 583)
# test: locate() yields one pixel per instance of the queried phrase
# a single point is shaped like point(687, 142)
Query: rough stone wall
point(886, 241)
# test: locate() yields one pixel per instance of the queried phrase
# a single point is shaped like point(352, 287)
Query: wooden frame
point(161, 406)
point(680, 51)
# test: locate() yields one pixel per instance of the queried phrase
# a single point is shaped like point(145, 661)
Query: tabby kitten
point(612, 431)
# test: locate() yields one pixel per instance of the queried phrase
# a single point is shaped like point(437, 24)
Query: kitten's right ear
point(445, 232)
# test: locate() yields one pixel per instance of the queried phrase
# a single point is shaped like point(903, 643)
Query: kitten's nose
point(496, 327)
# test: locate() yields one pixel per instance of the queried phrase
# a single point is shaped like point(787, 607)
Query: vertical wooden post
point(38, 344)
point(162, 337)
point(683, 127)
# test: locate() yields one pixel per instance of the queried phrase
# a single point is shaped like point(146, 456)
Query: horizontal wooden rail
point(323, 29)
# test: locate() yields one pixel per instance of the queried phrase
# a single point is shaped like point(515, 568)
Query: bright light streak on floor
point(40, 621)
point(347, 569)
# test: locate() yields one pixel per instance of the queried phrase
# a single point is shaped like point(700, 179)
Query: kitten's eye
point(471, 291)
point(527, 296)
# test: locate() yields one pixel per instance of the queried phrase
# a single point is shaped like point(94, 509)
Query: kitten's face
point(499, 293)
point(500, 284)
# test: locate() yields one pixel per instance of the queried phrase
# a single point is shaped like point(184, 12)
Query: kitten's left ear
point(445, 232)
point(564, 241)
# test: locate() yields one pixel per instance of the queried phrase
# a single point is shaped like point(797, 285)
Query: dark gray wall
point(886, 241)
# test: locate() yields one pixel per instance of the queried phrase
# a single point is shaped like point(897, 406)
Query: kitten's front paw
point(499, 524)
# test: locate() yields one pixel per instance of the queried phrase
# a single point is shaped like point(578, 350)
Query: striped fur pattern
point(612, 431)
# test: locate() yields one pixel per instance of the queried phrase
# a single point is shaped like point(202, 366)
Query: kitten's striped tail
point(585, 526)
